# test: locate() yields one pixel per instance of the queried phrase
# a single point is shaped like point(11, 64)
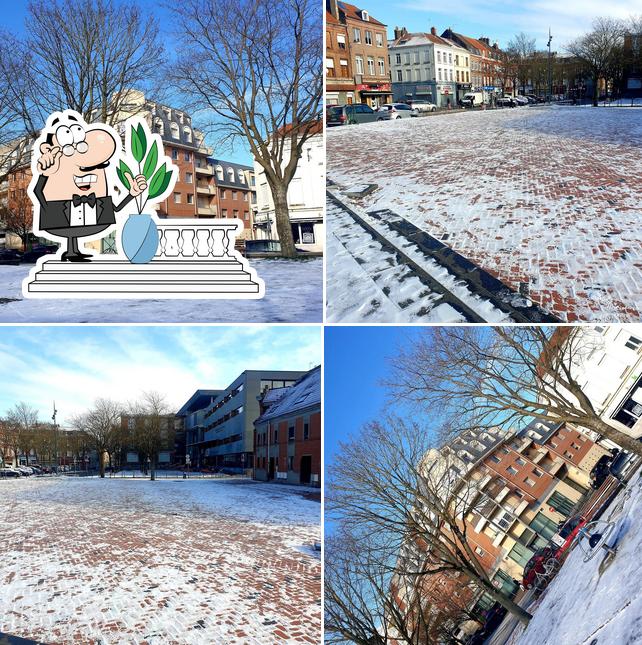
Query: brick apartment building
point(203, 184)
point(340, 86)
point(287, 435)
point(169, 438)
point(367, 46)
point(525, 484)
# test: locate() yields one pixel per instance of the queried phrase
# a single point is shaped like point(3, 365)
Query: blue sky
point(13, 18)
point(73, 365)
point(356, 360)
point(501, 19)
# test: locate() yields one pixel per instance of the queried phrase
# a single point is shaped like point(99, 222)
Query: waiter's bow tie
point(84, 199)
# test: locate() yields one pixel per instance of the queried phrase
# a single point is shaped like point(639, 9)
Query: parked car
point(31, 257)
point(506, 101)
point(540, 567)
point(10, 256)
point(536, 99)
point(422, 106)
point(393, 111)
point(520, 100)
point(8, 472)
point(610, 464)
point(350, 114)
point(471, 99)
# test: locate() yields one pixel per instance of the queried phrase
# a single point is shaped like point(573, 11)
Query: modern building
point(632, 81)
point(368, 49)
point(519, 487)
point(340, 85)
point(287, 436)
point(306, 197)
point(424, 66)
point(610, 371)
point(219, 424)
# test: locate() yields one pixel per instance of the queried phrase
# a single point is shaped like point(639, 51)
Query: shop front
point(374, 94)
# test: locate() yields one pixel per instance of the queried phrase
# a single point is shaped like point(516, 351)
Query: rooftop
point(305, 393)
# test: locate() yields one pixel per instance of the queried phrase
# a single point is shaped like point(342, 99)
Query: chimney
point(400, 32)
point(485, 40)
point(333, 8)
point(433, 31)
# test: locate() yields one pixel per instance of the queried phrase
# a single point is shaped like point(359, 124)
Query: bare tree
point(521, 49)
point(600, 50)
point(86, 55)
point(257, 70)
point(502, 377)
point(152, 429)
point(101, 424)
point(24, 421)
point(391, 482)
point(17, 217)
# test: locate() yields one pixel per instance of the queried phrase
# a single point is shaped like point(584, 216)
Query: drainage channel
point(477, 280)
point(445, 295)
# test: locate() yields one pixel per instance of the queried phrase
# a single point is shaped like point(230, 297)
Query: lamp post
point(550, 71)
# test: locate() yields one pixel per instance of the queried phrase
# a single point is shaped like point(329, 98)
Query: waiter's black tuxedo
point(55, 216)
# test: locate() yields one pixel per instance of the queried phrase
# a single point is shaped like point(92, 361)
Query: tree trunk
point(152, 470)
point(101, 463)
point(283, 226)
point(617, 436)
point(521, 614)
point(596, 90)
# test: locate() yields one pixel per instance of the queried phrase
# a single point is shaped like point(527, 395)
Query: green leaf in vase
point(122, 169)
point(150, 162)
point(137, 146)
point(156, 183)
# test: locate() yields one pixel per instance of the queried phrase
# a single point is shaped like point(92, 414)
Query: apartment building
point(287, 436)
point(233, 185)
point(165, 433)
point(424, 66)
point(219, 424)
point(340, 85)
point(368, 48)
point(306, 197)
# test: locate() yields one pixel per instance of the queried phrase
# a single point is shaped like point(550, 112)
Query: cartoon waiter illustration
point(71, 187)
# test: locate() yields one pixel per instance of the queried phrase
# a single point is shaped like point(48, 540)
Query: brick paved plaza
point(171, 561)
point(548, 199)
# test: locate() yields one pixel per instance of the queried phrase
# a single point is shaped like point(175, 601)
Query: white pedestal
point(160, 278)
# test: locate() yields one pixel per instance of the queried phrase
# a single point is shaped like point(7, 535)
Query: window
point(174, 130)
point(356, 35)
point(219, 173)
point(235, 213)
point(450, 58)
point(329, 66)
point(189, 177)
point(368, 37)
point(529, 482)
point(222, 193)
point(188, 156)
point(244, 197)
point(382, 67)
point(371, 66)
point(537, 472)
point(495, 459)
point(519, 461)
point(520, 554)
point(343, 64)
point(399, 75)
point(224, 212)
point(341, 41)
point(575, 446)
point(511, 471)
point(439, 73)
point(439, 57)
point(187, 132)
point(190, 199)
point(543, 526)
point(417, 57)
point(234, 195)
point(306, 430)
point(480, 551)
point(633, 343)
point(379, 39)
point(174, 154)
point(290, 463)
point(398, 59)
point(359, 64)
point(246, 216)
point(561, 503)
point(177, 198)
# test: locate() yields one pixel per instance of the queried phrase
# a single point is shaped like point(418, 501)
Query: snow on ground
point(592, 604)
point(172, 561)
point(293, 293)
point(366, 283)
point(549, 196)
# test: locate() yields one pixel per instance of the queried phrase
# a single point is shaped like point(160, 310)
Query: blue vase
point(139, 238)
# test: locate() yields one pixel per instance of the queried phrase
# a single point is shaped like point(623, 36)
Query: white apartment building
point(425, 66)
point(306, 199)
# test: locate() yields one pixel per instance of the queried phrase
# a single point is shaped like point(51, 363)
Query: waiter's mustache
point(104, 164)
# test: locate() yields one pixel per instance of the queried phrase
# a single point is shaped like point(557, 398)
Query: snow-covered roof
point(305, 393)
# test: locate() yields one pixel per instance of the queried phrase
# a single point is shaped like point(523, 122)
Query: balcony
point(196, 240)
point(205, 189)
point(205, 170)
point(207, 211)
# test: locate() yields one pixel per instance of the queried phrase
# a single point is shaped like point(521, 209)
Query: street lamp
point(550, 73)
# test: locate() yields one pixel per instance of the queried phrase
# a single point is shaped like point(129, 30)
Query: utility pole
point(550, 71)
point(55, 429)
